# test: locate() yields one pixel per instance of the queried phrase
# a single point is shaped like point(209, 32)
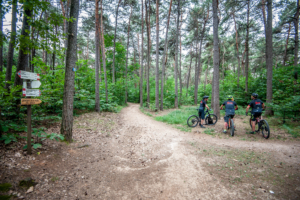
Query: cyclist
point(230, 107)
point(257, 105)
point(203, 105)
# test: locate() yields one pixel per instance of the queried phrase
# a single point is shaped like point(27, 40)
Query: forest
point(99, 55)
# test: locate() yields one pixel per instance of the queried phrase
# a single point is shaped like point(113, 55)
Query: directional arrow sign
point(31, 92)
point(28, 75)
point(30, 101)
point(35, 84)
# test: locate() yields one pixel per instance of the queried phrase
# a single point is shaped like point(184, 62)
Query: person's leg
point(225, 124)
point(202, 119)
point(253, 126)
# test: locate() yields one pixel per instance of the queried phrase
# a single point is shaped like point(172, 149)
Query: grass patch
point(210, 132)
point(54, 178)
point(4, 187)
point(146, 112)
point(178, 118)
point(5, 197)
point(118, 109)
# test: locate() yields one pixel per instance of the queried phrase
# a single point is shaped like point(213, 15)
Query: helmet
point(229, 97)
point(254, 95)
point(205, 97)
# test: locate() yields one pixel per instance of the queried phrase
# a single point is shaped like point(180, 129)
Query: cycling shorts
point(226, 118)
point(255, 115)
point(201, 114)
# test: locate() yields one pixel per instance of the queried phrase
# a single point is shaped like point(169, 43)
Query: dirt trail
point(140, 158)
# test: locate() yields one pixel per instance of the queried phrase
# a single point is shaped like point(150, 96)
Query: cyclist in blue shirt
point(257, 105)
point(230, 107)
point(203, 105)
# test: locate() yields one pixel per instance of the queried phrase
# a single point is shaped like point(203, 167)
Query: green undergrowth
point(4, 187)
point(178, 118)
point(143, 110)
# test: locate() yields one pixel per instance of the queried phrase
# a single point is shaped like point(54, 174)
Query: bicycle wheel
point(265, 129)
point(231, 127)
point(211, 119)
point(193, 121)
point(256, 126)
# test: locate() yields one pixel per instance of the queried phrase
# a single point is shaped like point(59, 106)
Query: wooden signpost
point(30, 102)
point(31, 80)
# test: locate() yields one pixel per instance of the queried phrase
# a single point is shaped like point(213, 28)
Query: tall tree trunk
point(247, 48)
point(142, 58)
point(269, 56)
point(12, 42)
point(24, 47)
point(237, 51)
point(97, 59)
point(103, 53)
point(180, 78)
point(128, 31)
point(216, 58)
point(189, 74)
point(243, 62)
point(200, 53)
point(263, 3)
point(286, 45)
point(67, 114)
point(148, 52)
point(164, 60)
point(196, 73)
point(206, 73)
point(1, 37)
point(157, 58)
point(87, 46)
point(115, 35)
point(296, 25)
point(176, 55)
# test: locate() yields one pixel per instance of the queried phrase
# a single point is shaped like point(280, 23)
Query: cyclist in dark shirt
point(257, 105)
point(230, 107)
point(202, 107)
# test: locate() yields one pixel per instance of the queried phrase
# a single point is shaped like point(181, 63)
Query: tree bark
point(247, 48)
point(115, 35)
point(164, 59)
point(196, 74)
point(176, 56)
point(189, 74)
point(237, 51)
point(216, 58)
point(128, 31)
point(1, 38)
point(180, 77)
point(142, 58)
point(199, 68)
point(148, 52)
point(296, 25)
point(103, 53)
point(269, 56)
point(263, 3)
point(157, 58)
point(23, 57)
point(12, 43)
point(97, 59)
point(286, 45)
point(67, 114)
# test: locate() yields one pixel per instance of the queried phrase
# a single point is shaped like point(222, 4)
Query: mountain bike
point(210, 119)
point(261, 125)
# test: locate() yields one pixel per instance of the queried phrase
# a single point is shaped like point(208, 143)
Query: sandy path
point(140, 158)
point(156, 163)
